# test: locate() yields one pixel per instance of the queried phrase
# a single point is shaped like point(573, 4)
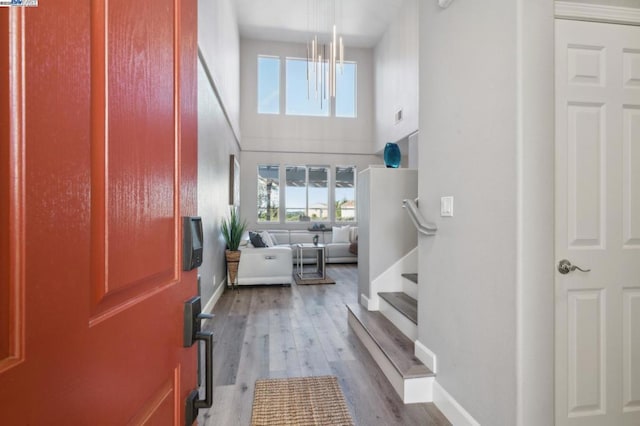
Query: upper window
point(346, 90)
point(268, 85)
point(301, 96)
point(345, 194)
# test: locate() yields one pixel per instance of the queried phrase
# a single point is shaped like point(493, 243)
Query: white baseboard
point(453, 411)
point(427, 357)
point(214, 298)
point(364, 301)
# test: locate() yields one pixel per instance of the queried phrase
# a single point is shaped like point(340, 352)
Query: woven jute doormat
point(300, 401)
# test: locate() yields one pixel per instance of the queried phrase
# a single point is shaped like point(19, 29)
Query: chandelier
point(325, 50)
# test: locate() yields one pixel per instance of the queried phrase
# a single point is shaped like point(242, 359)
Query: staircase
point(389, 336)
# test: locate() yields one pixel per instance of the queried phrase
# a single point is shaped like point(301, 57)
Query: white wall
point(217, 138)
point(219, 44)
point(396, 77)
point(486, 138)
point(249, 176)
point(385, 231)
point(267, 132)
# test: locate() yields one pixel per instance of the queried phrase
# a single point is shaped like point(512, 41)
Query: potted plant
point(232, 230)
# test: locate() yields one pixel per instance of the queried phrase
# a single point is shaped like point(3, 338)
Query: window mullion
point(306, 211)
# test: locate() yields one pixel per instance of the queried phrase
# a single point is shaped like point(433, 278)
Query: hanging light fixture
point(322, 65)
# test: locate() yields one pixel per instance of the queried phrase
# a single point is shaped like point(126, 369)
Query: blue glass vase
point(392, 155)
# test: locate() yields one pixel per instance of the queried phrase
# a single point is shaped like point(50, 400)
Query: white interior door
point(598, 223)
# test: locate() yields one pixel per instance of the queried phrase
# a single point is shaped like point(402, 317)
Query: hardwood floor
point(273, 331)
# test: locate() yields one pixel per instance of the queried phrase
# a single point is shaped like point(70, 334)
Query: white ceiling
point(360, 22)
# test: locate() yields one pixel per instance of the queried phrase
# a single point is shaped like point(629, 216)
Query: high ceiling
point(360, 22)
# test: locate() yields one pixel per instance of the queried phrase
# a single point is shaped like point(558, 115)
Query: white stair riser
point(404, 324)
point(410, 287)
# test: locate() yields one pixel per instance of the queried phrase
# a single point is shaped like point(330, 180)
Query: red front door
point(98, 164)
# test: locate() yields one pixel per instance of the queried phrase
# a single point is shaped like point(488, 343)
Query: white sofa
point(274, 265)
point(334, 252)
point(268, 265)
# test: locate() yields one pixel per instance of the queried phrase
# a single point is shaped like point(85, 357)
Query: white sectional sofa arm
point(268, 265)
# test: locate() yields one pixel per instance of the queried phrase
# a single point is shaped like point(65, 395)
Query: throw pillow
point(353, 248)
point(256, 240)
point(340, 234)
point(266, 238)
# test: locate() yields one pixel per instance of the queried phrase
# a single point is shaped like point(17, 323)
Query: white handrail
point(423, 227)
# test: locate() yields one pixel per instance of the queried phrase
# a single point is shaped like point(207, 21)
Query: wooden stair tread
point(398, 349)
point(411, 277)
point(405, 304)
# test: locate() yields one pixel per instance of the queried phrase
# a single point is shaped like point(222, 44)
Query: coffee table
point(320, 271)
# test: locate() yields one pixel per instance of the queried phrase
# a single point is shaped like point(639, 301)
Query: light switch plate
point(446, 206)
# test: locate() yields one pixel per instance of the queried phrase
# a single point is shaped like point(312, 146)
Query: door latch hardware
point(193, 333)
point(564, 267)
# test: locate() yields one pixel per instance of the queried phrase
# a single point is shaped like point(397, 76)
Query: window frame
point(278, 208)
point(355, 193)
point(282, 89)
point(279, 80)
point(331, 193)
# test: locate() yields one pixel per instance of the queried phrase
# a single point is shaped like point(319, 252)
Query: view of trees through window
point(268, 193)
point(307, 193)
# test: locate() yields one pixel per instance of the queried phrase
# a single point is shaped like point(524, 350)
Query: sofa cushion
point(280, 237)
point(338, 250)
point(353, 234)
point(340, 234)
point(302, 237)
point(266, 238)
point(256, 240)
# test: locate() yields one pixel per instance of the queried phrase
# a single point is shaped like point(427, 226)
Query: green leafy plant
point(233, 228)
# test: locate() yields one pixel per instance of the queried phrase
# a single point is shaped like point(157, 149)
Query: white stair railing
point(421, 225)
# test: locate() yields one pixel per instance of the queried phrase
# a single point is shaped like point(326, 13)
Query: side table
point(320, 271)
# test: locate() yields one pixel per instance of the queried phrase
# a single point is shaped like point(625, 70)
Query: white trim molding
point(425, 355)
point(214, 298)
point(366, 302)
point(597, 13)
point(453, 411)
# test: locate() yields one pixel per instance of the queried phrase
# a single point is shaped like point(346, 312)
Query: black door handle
point(193, 333)
point(193, 403)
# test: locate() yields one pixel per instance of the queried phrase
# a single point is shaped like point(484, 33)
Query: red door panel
point(100, 165)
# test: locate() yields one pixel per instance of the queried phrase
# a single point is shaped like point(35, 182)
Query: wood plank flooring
point(273, 331)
